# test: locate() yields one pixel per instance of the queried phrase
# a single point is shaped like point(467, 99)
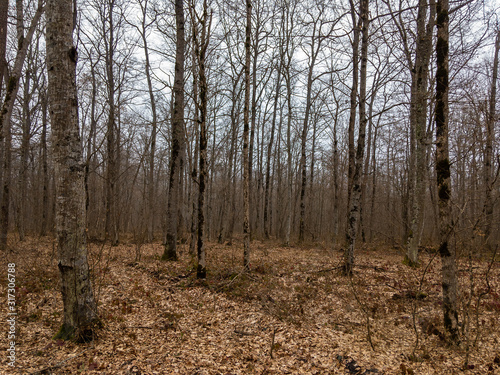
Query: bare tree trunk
point(288, 211)
point(246, 125)
point(25, 144)
point(488, 157)
point(80, 314)
point(447, 252)
point(418, 121)
point(356, 25)
point(374, 181)
point(45, 174)
point(303, 139)
point(170, 252)
point(336, 187)
point(354, 204)
point(111, 172)
point(4, 11)
point(201, 45)
point(6, 113)
point(154, 127)
point(92, 133)
point(269, 152)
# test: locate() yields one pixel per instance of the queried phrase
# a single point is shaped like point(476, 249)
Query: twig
point(414, 311)
point(363, 309)
point(272, 343)
point(47, 370)
point(327, 270)
point(243, 333)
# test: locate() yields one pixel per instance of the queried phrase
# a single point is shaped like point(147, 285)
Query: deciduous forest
point(252, 187)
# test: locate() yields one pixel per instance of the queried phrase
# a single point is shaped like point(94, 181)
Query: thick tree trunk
point(446, 251)
point(170, 252)
point(80, 313)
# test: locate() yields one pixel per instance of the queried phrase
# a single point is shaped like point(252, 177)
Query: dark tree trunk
point(170, 252)
point(446, 251)
point(246, 125)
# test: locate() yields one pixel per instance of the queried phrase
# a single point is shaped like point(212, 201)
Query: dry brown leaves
point(158, 319)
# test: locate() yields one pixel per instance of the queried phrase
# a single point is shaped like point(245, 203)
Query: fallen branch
point(243, 333)
point(47, 370)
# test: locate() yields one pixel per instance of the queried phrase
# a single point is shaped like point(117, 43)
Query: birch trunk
point(355, 199)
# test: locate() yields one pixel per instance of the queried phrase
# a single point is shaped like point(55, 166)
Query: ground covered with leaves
point(293, 313)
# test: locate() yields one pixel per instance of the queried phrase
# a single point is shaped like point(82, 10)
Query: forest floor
point(292, 314)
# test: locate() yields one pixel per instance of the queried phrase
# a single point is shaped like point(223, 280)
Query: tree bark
point(170, 252)
point(201, 44)
point(246, 126)
point(418, 122)
point(355, 199)
point(45, 174)
point(6, 114)
point(80, 314)
point(112, 163)
point(488, 155)
point(356, 25)
point(269, 153)
point(150, 211)
point(446, 251)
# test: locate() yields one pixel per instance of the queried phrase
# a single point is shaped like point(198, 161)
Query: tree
point(112, 166)
point(170, 252)
point(488, 155)
point(317, 37)
point(355, 195)
point(80, 311)
point(23, 42)
point(143, 31)
point(418, 121)
point(201, 39)
point(246, 126)
point(446, 252)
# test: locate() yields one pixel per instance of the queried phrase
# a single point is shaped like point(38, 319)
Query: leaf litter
point(293, 313)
